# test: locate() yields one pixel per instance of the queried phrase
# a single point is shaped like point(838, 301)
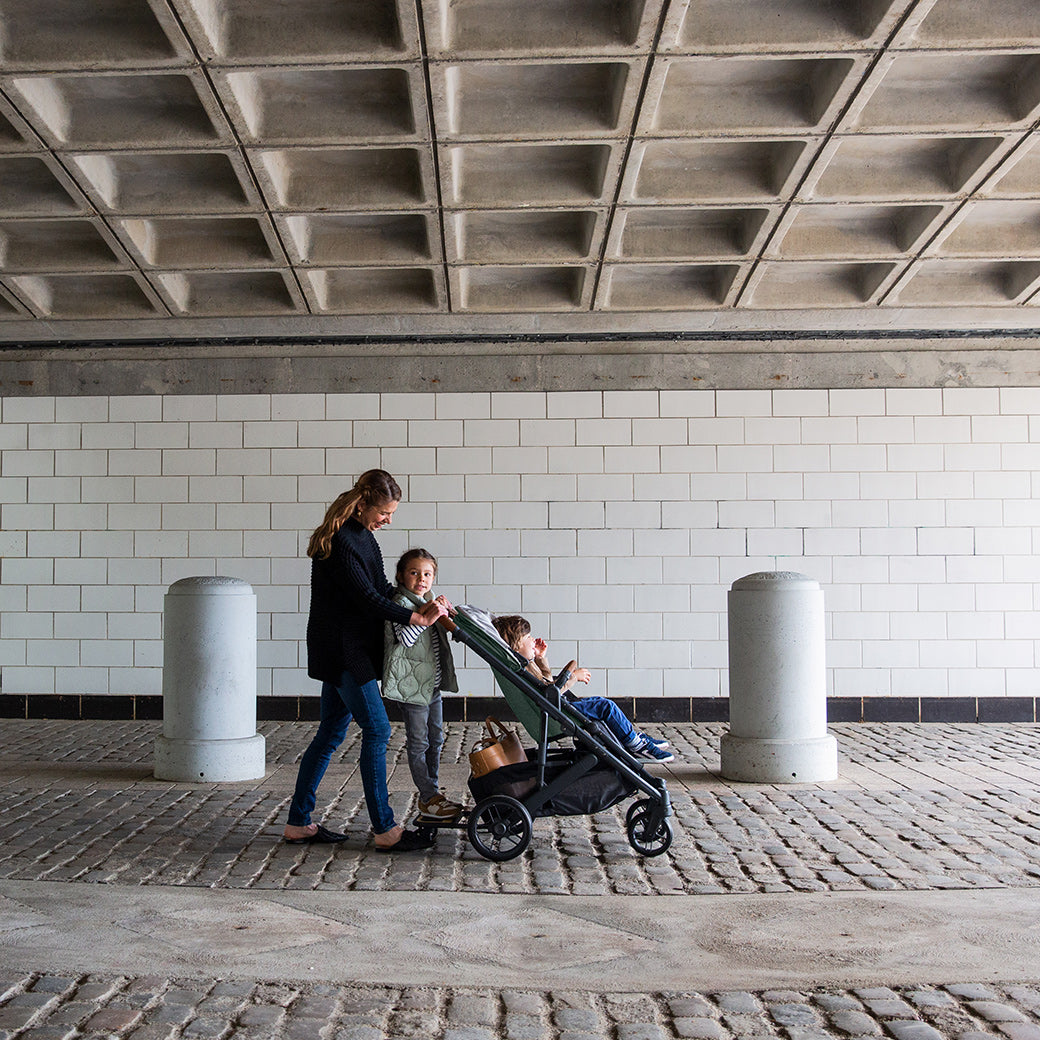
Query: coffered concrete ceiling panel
point(473, 167)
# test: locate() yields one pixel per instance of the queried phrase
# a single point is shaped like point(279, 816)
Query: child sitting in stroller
point(516, 631)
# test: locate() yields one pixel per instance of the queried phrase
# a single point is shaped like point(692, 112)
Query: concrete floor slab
point(630, 944)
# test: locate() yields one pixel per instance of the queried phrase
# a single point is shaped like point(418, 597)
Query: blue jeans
point(424, 731)
point(339, 703)
point(607, 712)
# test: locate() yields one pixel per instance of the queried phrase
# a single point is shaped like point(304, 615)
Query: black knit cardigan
point(350, 600)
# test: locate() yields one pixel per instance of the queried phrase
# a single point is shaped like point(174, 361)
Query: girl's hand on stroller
point(582, 675)
point(443, 600)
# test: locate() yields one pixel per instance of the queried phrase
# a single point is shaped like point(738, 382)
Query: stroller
point(592, 775)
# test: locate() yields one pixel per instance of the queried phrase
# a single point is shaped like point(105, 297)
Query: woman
point(350, 600)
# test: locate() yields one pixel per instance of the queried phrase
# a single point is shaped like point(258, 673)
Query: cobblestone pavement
point(916, 808)
point(98, 1006)
point(962, 814)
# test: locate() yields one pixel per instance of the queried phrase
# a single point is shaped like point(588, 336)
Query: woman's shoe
point(410, 841)
point(322, 836)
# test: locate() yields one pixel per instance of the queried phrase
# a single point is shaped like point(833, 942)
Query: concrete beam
point(522, 363)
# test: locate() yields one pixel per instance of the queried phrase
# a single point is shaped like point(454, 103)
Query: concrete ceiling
point(188, 167)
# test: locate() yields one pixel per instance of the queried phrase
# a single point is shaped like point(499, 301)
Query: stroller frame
point(499, 826)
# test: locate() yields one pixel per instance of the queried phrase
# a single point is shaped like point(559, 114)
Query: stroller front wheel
point(648, 834)
point(499, 828)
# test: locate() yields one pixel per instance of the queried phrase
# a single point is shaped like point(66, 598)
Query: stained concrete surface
point(599, 944)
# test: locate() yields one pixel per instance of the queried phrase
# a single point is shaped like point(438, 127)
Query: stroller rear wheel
point(648, 833)
point(499, 827)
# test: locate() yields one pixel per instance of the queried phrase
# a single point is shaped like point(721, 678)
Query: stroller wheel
point(499, 827)
point(648, 834)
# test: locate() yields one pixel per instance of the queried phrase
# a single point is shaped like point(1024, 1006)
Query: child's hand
point(582, 675)
point(540, 646)
point(443, 600)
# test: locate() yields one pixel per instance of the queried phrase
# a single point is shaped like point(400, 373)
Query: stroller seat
point(538, 724)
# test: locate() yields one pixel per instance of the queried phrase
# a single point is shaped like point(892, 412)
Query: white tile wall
point(615, 520)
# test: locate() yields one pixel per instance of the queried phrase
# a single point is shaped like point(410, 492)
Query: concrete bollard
point(209, 683)
point(777, 682)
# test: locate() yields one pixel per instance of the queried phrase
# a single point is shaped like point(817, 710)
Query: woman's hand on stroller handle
point(432, 611)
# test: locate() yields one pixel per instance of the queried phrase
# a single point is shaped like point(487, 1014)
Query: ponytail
point(373, 487)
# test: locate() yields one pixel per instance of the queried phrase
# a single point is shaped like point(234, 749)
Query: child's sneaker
point(439, 808)
point(655, 740)
point(644, 747)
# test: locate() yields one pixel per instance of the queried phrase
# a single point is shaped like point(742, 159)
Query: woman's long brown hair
point(373, 487)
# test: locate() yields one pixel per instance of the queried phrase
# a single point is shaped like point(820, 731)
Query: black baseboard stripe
point(643, 710)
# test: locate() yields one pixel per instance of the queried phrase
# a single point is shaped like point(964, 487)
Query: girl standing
point(418, 666)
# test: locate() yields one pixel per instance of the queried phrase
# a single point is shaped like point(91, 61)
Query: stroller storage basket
point(599, 789)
